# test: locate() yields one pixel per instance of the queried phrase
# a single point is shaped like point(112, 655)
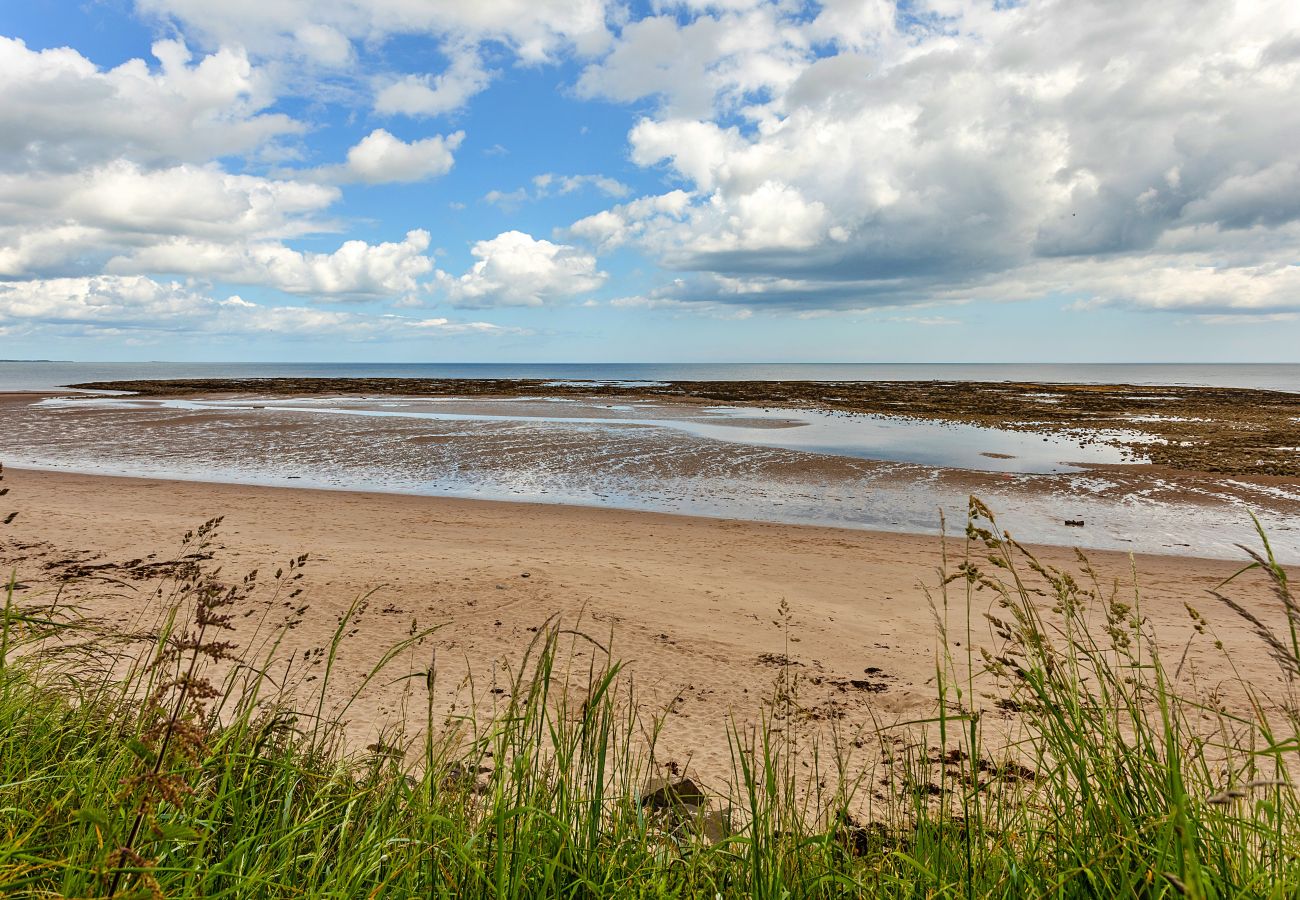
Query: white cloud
point(355, 270)
point(135, 305)
point(966, 148)
point(55, 221)
point(662, 300)
point(534, 29)
point(1160, 284)
point(91, 179)
point(698, 151)
point(715, 61)
point(323, 44)
point(549, 184)
point(855, 24)
point(195, 220)
point(515, 269)
point(380, 158)
point(507, 200)
point(432, 95)
point(626, 222)
point(58, 110)
point(827, 157)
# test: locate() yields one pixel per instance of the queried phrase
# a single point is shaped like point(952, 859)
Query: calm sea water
point(42, 376)
point(795, 466)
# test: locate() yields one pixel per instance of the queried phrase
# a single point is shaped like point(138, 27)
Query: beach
point(691, 605)
point(1236, 431)
point(597, 450)
point(1079, 477)
point(726, 542)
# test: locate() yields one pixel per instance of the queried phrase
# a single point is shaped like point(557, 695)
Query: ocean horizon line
point(344, 362)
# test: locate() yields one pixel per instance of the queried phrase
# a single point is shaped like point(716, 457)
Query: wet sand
point(1234, 431)
point(691, 603)
point(794, 466)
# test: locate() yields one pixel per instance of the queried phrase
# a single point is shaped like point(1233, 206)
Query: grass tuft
point(1067, 757)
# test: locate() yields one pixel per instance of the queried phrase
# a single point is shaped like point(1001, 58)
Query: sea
point(45, 376)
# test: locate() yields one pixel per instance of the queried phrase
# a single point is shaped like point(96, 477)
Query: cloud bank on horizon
point(592, 179)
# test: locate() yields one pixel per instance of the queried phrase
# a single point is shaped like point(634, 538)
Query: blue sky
point(582, 180)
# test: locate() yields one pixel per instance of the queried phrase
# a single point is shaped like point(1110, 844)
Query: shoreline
point(673, 458)
point(1232, 431)
point(692, 604)
point(934, 533)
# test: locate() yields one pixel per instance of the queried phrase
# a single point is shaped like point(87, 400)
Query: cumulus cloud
point(516, 269)
point(1218, 291)
point(323, 44)
point(719, 61)
point(381, 158)
point(136, 305)
point(59, 111)
point(627, 222)
point(355, 270)
point(55, 223)
point(431, 95)
point(833, 156)
point(865, 157)
point(196, 220)
point(324, 31)
point(535, 29)
point(92, 185)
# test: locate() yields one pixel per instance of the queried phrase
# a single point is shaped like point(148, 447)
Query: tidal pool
point(793, 466)
point(887, 438)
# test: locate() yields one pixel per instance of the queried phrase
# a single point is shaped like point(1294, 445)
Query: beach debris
point(674, 794)
point(680, 804)
point(383, 750)
point(1074, 523)
point(855, 684)
point(463, 778)
point(777, 659)
point(863, 839)
point(714, 826)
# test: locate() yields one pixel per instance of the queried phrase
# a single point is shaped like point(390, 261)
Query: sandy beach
point(691, 603)
point(787, 464)
point(745, 449)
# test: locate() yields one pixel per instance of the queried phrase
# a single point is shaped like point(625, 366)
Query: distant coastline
point(57, 375)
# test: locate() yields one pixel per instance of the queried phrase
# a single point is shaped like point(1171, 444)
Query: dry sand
point(691, 603)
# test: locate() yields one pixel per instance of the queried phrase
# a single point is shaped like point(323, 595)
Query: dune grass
point(176, 767)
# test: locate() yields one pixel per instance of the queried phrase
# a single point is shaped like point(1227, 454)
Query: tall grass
point(1067, 757)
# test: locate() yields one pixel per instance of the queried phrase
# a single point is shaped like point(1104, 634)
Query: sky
point(598, 181)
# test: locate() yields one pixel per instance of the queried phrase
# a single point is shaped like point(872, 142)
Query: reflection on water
point(739, 463)
point(890, 438)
